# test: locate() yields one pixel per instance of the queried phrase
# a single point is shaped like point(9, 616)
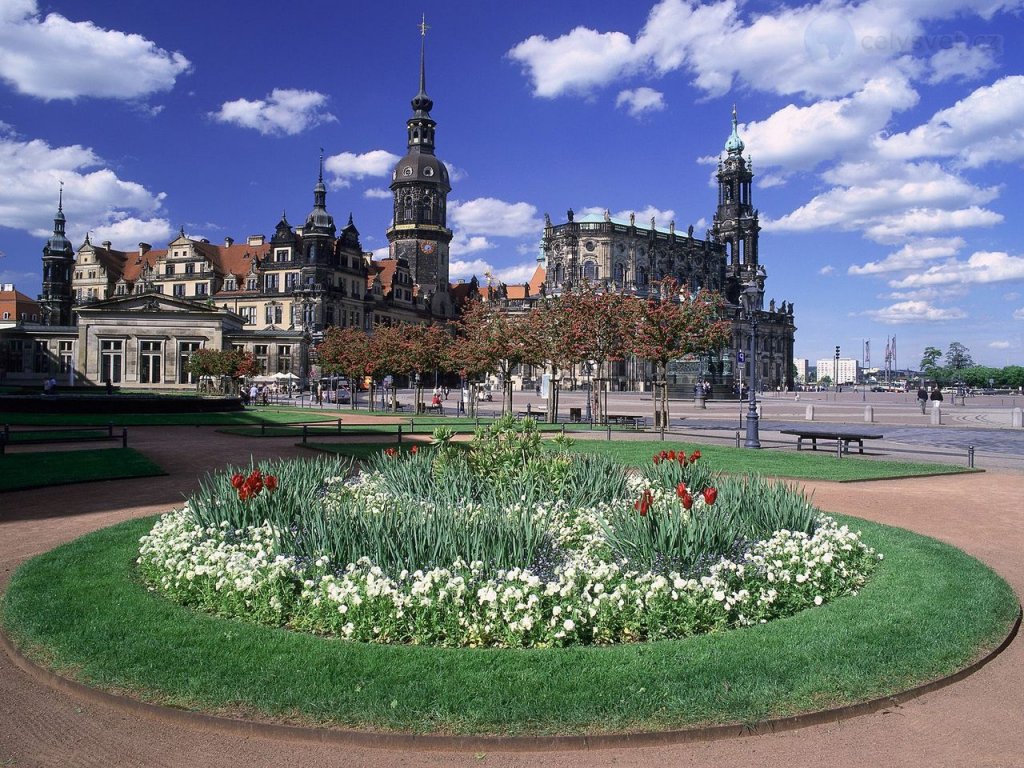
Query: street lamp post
point(751, 301)
point(590, 392)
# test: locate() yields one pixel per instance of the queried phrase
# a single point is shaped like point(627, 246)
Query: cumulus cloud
point(490, 216)
point(820, 50)
point(980, 267)
point(985, 126)
point(463, 244)
point(95, 198)
point(1018, 314)
point(914, 312)
point(828, 269)
point(347, 166)
point(911, 256)
point(800, 137)
point(377, 193)
point(961, 62)
point(285, 112)
point(52, 57)
point(892, 201)
point(480, 268)
point(999, 345)
point(642, 216)
point(639, 101)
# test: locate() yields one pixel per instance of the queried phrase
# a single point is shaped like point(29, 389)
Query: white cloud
point(285, 112)
point(999, 345)
point(913, 312)
point(662, 217)
point(577, 61)
point(1018, 314)
point(95, 198)
point(516, 274)
point(347, 166)
point(464, 270)
point(490, 216)
point(893, 229)
point(961, 62)
point(980, 267)
point(912, 255)
point(55, 58)
point(818, 50)
point(463, 244)
point(377, 193)
point(985, 126)
point(640, 101)
point(828, 269)
point(891, 201)
point(798, 138)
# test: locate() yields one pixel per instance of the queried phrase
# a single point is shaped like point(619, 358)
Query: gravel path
point(976, 722)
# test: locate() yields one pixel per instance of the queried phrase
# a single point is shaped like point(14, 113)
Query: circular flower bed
point(504, 545)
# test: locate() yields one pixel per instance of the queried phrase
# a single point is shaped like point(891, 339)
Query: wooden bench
point(624, 420)
point(845, 437)
point(48, 436)
point(439, 408)
point(531, 414)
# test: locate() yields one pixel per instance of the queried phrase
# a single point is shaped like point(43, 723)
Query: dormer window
point(230, 284)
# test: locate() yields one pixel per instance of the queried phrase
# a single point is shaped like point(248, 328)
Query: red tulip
point(643, 504)
point(671, 455)
point(236, 481)
point(271, 482)
point(390, 452)
point(657, 459)
point(710, 494)
point(694, 456)
point(687, 500)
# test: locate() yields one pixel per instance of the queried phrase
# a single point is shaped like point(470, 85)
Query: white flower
point(569, 625)
point(818, 600)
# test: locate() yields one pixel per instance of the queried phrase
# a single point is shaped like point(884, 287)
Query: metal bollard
point(737, 439)
point(609, 432)
point(124, 438)
point(305, 433)
point(339, 425)
point(839, 447)
point(563, 430)
point(412, 425)
point(399, 434)
point(970, 456)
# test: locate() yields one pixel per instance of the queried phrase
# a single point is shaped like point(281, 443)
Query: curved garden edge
point(502, 743)
point(883, 687)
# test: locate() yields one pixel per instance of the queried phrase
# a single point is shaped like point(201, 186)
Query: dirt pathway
point(976, 722)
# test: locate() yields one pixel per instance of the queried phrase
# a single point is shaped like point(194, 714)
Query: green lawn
point(414, 425)
point(806, 465)
point(19, 471)
point(929, 610)
point(250, 416)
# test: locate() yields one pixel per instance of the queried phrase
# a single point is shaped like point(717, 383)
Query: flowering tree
point(672, 325)
point(557, 347)
point(499, 340)
point(389, 354)
point(601, 328)
point(346, 351)
point(220, 363)
point(424, 350)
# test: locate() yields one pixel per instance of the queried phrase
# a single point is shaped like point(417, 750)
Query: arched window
point(641, 276)
point(407, 215)
point(558, 274)
point(620, 275)
point(589, 271)
point(428, 210)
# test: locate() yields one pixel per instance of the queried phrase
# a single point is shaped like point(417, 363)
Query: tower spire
point(735, 144)
point(60, 198)
point(423, 56)
point(321, 179)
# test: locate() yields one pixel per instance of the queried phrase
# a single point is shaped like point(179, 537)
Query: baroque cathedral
point(133, 318)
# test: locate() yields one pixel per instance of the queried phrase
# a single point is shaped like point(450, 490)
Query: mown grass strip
point(251, 416)
point(806, 465)
point(19, 471)
point(930, 610)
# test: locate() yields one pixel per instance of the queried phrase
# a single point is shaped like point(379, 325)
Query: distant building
point(801, 369)
point(849, 371)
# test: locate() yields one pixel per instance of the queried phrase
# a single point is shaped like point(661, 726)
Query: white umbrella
point(282, 376)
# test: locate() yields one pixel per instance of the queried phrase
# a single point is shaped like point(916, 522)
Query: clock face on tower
point(427, 248)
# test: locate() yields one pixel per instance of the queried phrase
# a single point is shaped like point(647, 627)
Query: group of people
point(257, 394)
point(923, 396)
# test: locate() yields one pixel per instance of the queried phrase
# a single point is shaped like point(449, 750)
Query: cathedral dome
point(421, 167)
point(735, 144)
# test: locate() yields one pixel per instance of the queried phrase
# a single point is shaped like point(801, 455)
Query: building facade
point(620, 255)
point(133, 317)
point(845, 370)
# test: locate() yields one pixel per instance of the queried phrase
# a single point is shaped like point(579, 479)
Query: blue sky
point(887, 137)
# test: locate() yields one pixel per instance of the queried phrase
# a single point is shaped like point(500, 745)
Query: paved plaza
point(975, 722)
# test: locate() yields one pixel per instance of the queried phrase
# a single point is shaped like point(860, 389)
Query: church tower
point(736, 220)
point(58, 264)
point(419, 185)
